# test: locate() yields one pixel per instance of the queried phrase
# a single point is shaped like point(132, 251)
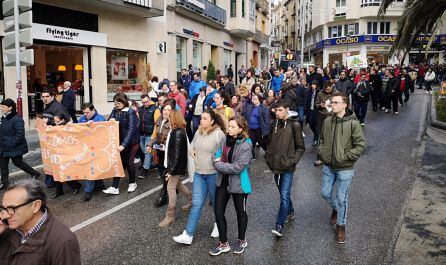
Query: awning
point(266, 46)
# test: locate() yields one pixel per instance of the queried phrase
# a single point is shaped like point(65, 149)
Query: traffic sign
point(8, 6)
point(26, 58)
point(25, 21)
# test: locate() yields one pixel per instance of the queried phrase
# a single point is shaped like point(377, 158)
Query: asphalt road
point(126, 231)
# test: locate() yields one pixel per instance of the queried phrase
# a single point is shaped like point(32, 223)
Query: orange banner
point(80, 151)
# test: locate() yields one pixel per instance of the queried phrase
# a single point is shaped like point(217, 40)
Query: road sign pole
point(17, 58)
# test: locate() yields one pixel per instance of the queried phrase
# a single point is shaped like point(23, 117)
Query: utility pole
point(302, 32)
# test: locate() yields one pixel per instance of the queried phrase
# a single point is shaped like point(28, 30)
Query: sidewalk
point(422, 239)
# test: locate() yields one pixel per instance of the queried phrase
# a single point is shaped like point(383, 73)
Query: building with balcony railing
point(335, 29)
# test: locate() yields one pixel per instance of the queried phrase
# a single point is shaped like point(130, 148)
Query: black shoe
point(57, 194)
point(210, 203)
point(50, 186)
point(87, 196)
point(77, 190)
point(278, 230)
point(161, 202)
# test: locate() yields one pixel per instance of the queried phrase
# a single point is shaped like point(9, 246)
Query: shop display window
point(125, 73)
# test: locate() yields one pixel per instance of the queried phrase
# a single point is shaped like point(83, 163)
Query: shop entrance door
point(54, 65)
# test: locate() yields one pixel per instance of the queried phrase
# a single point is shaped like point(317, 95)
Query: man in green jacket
point(342, 142)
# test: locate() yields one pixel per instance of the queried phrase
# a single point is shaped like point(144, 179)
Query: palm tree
point(419, 16)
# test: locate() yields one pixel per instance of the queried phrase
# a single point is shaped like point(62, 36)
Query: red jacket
point(181, 101)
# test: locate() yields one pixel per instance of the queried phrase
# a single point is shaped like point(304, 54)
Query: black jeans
point(360, 107)
point(406, 96)
point(256, 137)
point(127, 157)
point(312, 120)
point(377, 97)
point(428, 85)
point(221, 201)
point(18, 162)
point(392, 100)
point(72, 113)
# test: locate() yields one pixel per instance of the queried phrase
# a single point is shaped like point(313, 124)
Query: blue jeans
point(201, 186)
point(342, 179)
point(90, 185)
point(144, 140)
point(301, 113)
point(284, 181)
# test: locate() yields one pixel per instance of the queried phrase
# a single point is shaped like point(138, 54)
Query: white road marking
point(118, 207)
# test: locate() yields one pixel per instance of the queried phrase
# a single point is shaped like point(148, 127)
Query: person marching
point(361, 96)
point(286, 147)
point(232, 163)
point(175, 162)
point(208, 139)
point(13, 142)
point(342, 142)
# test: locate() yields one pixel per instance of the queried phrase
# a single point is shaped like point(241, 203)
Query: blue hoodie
point(195, 86)
point(276, 83)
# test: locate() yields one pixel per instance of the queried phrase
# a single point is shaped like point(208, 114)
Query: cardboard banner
point(80, 151)
point(357, 61)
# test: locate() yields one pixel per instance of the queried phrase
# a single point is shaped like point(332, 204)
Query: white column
point(11, 91)
point(99, 80)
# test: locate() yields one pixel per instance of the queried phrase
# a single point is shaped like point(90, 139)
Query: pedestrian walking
point(258, 118)
point(377, 92)
point(91, 115)
point(232, 163)
point(224, 111)
point(178, 97)
point(313, 111)
point(277, 81)
point(228, 86)
point(241, 73)
point(323, 100)
point(13, 142)
point(148, 113)
point(55, 114)
point(175, 162)
point(156, 146)
point(286, 147)
point(361, 96)
point(196, 106)
point(301, 92)
point(429, 78)
point(69, 100)
point(406, 85)
point(246, 84)
point(29, 232)
point(392, 92)
point(342, 142)
point(207, 141)
point(128, 141)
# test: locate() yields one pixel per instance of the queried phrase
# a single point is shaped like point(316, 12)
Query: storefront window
point(125, 73)
point(196, 51)
point(181, 53)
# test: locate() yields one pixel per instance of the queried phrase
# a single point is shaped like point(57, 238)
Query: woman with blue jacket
point(128, 140)
point(232, 163)
point(12, 142)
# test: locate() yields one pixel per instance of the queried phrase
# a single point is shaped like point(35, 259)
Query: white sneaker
point(132, 187)
point(136, 160)
point(111, 190)
point(215, 233)
point(184, 238)
point(303, 134)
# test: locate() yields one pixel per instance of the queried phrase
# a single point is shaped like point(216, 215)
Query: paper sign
point(80, 151)
point(357, 61)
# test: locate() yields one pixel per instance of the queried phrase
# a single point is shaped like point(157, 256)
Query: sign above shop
point(68, 35)
point(191, 32)
point(228, 44)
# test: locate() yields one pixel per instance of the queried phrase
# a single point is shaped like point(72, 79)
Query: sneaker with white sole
point(239, 246)
point(221, 248)
point(303, 134)
point(215, 233)
point(184, 238)
point(111, 190)
point(132, 187)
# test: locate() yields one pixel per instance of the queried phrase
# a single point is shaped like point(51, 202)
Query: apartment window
point(234, 8)
point(181, 53)
point(384, 28)
point(252, 10)
point(243, 8)
point(353, 29)
point(340, 3)
point(335, 31)
point(372, 27)
point(370, 3)
point(196, 53)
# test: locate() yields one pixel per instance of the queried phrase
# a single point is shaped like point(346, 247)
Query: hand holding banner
point(80, 151)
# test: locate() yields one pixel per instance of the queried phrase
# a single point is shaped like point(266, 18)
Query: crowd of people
point(219, 127)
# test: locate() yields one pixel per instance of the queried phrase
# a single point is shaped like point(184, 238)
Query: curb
point(433, 116)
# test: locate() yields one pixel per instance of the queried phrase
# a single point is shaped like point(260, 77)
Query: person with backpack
point(342, 142)
point(286, 147)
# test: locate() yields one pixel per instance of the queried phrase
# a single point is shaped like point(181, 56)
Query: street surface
point(126, 232)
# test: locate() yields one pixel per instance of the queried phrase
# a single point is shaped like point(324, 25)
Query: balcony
point(209, 13)
point(137, 8)
point(260, 37)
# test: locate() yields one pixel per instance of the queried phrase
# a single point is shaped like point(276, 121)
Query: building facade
point(106, 46)
point(335, 29)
